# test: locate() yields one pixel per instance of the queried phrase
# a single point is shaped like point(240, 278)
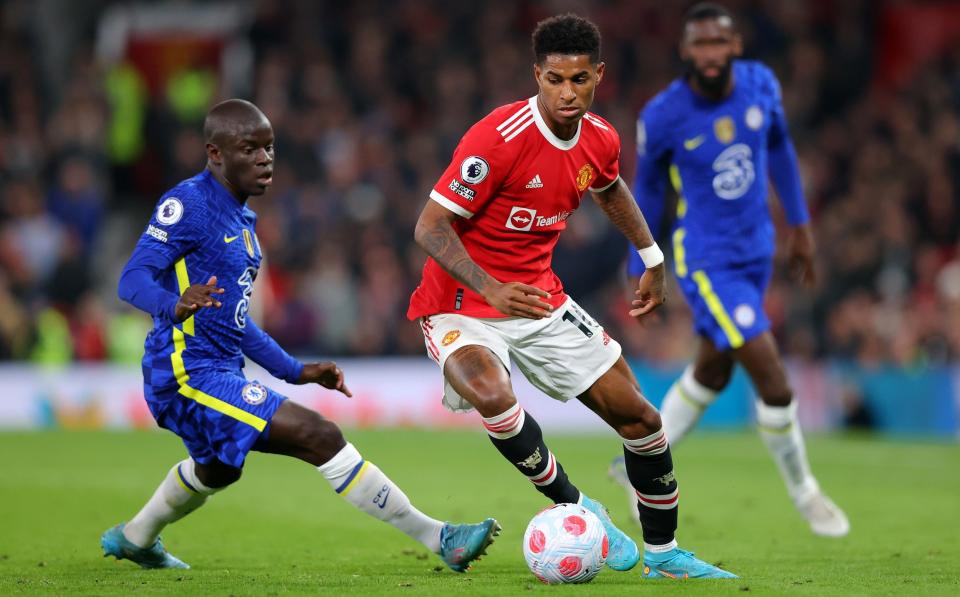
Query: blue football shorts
point(219, 415)
point(727, 302)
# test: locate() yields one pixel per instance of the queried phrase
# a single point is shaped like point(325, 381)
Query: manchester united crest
point(724, 129)
point(450, 337)
point(585, 176)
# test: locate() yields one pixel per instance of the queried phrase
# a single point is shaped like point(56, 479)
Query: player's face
point(566, 86)
point(246, 159)
point(708, 48)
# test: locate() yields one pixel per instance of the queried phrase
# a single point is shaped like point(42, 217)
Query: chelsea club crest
point(254, 393)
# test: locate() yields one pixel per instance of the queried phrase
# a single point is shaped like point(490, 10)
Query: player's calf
point(650, 470)
point(518, 437)
point(365, 486)
point(180, 493)
point(685, 403)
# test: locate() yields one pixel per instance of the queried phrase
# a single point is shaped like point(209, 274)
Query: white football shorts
point(562, 355)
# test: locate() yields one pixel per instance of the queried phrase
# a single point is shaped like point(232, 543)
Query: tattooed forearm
point(441, 242)
point(621, 208)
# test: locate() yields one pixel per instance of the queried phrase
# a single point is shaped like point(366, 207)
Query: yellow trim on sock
point(687, 397)
point(363, 471)
point(716, 308)
point(778, 430)
point(184, 485)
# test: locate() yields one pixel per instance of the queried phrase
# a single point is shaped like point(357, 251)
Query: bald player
point(193, 271)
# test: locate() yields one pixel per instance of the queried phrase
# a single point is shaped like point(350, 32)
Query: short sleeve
point(609, 171)
point(475, 174)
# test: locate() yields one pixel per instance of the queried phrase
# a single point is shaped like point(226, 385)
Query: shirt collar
point(564, 144)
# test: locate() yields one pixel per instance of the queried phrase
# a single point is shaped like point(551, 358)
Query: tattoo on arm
point(443, 244)
point(621, 208)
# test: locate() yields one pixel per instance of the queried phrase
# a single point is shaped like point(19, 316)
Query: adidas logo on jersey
point(535, 183)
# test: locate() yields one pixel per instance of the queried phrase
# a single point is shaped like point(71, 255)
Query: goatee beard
point(711, 85)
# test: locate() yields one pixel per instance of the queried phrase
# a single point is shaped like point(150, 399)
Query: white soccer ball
point(565, 543)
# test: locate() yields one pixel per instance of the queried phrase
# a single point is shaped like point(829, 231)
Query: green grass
point(281, 530)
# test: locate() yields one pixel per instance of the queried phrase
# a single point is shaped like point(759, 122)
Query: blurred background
point(100, 112)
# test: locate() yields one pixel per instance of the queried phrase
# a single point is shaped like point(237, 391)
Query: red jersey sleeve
point(610, 166)
point(476, 172)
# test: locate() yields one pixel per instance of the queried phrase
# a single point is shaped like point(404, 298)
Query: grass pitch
point(282, 531)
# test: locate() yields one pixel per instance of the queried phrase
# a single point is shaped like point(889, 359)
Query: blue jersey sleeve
point(264, 351)
point(649, 184)
point(784, 169)
point(170, 234)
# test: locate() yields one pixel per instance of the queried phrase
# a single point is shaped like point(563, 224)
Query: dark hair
point(706, 10)
point(566, 34)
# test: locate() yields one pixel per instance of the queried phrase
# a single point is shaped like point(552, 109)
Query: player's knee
point(217, 475)
point(713, 376)
point(491, 399)
point(320, 438)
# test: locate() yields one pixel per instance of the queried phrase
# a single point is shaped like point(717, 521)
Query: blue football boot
point(677, 564)
point(461, 544)
point(624, 553)
point(116, 545)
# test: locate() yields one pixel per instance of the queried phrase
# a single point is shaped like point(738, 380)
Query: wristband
point(651, 256)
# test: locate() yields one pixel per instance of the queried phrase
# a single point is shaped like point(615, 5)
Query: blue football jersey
point(199, 230)
point(716, 156)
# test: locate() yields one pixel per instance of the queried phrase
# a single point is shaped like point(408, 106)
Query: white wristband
point(652, 256)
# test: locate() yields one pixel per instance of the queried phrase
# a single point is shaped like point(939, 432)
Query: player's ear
point(737, 44)
point(213, 154)
point(536, 71)
point(600, 69)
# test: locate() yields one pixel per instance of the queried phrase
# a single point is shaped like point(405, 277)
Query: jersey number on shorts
point(568, 316)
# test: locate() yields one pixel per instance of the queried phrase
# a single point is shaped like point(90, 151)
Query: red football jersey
point(515, 184)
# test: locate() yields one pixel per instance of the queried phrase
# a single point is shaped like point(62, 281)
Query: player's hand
point(197, 297)
point(519, 300)
point(651, 292)
point(801, 251)
point(327, 375)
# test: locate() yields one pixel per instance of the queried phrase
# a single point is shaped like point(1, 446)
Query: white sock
point(366, 487)
point(684, 405)
point(780, 431)
point(180, 493)
point(648, 548)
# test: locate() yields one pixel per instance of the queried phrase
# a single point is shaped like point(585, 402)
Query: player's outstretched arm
point(260, 347)
point(138, 286)
point(618, 203)
point(327, 374)
point(435, 234)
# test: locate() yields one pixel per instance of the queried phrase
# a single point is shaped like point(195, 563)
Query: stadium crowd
point(368, 100)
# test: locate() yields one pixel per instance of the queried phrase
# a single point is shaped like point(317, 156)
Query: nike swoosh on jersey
point(230, 239)
point(691, 144)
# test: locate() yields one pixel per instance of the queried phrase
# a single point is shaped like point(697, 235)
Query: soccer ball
point(565, 543)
